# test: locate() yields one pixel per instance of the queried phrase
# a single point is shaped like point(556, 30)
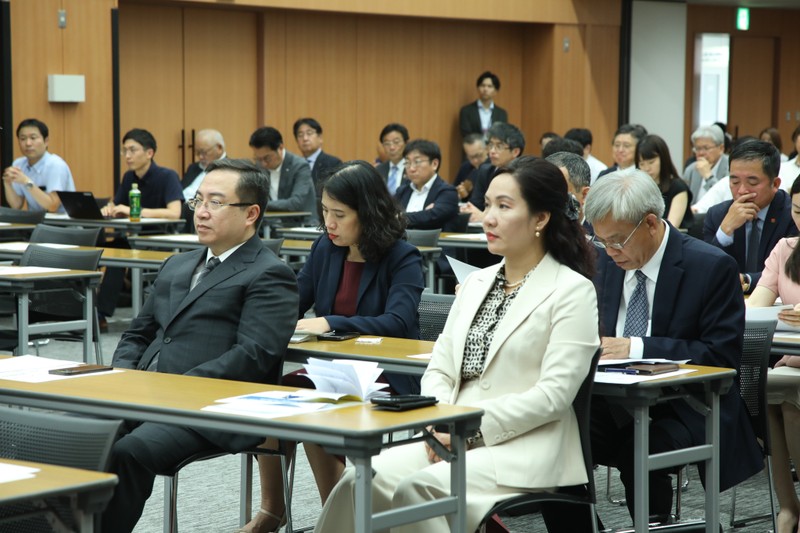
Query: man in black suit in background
point(758, 203)
point(478, 117)
point(208, 146)
point(308, 134)
point(291, 187)
point(225, 311)
point(428, 201)
point(393, 139)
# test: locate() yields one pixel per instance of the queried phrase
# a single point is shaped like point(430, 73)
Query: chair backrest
point(45, 256)
point(753, 375)
point(457, 224)
point(64, 440)
point(423, 237)
point(57, 235)
point(19, 216)
point(433, 311)
point(273, 244)
point(582, 404)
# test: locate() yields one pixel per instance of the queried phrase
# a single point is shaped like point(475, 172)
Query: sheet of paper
point(179, 238)
point(624, 379)
point(770, 313)
point(651, 360)
point(426, 356)
point(6, 271)
point(33, 369)
point(22, 246)
point(300, 229)
point(5, 223)
point(460, 268)
point(786, 376)
point(9, 472)
point(265, 409)
point(465, 236)
point(299, 395)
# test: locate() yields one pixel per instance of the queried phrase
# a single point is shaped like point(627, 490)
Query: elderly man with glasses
point(708, 145)
point(663, 294)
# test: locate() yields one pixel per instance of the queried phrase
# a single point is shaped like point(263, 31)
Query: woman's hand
point(314, 325)
point(789, 360)
point(444, 438)
point(791, 316)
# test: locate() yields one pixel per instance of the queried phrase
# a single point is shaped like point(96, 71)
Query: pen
point(630, 371)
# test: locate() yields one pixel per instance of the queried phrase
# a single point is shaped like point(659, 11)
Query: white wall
point(658, 52)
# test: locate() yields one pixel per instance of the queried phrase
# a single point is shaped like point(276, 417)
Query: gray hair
point(625, 197)
point(213, 136)
point(712, 132)
point(580, 175)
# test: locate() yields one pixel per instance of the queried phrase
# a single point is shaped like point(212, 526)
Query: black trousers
point(612, 444)
point(147, 450)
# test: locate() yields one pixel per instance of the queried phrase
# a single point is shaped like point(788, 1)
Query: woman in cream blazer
point(518, 343)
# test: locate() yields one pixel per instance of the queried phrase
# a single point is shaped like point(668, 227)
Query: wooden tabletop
point(52, 480)
point(109, 254)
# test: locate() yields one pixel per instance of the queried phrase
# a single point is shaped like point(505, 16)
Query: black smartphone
point(81, 369)
point(404, 402)
point(338, 335)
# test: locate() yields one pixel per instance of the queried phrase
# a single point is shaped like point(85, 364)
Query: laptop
point(80, 205)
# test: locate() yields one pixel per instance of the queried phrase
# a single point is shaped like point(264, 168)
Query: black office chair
point(274, 245)
point(753, 385)
point(433, 312)
point(57, 235)
point(60, 303)
point(423, 237)
point(528, 503)
point(63, 440)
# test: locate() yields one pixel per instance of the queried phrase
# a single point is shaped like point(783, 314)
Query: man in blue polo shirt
point(34, 178)
point(162, 196)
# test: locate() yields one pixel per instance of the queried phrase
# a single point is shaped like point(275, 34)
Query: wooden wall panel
point(88, 127)
point(764, 23)
point(601, 88)
point(538, 73)
point(221, 82)
point(151, 77)
point(752, 73)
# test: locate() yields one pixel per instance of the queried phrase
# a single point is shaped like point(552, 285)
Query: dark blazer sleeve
point(301, 187)
point(444, 198)
point(480, 184)
point(388, 296)
point(468, 120)
point(191, 173)
point(499, 114)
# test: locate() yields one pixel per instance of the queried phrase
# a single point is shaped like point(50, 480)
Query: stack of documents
point(354, 379)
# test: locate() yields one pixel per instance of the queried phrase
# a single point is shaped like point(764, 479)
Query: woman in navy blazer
point(361, 276)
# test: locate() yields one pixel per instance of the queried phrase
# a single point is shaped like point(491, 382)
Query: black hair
point(389, 128)
point(562, 145)
point(492, 76)
point(762, 151)
point(34, 123)
point(359, 186)
point(253, 184)
point(508, 134)
point(650, 147)
point(544, 189)
point(308, 121)
point(580, 135)
point(792, 266)
point(266, 137)
point(549, 135)
point(774, 136)
point(472, 138)
point(637, 131)
point(427, 148)
point(143, 137)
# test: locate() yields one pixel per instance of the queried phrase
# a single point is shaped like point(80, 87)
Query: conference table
point(22, 281)
point(290, 247)
point(12, 227)
point(785, 343)
point(87, 491)
point(119, 224)
point(702, 387)
point(356, 430)
point(136, 260)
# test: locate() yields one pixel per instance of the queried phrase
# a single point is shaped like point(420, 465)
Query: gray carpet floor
point(209, 491)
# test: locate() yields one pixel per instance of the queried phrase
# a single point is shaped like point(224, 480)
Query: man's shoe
point(103, 323)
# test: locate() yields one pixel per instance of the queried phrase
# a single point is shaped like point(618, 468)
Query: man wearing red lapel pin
point(750, 225)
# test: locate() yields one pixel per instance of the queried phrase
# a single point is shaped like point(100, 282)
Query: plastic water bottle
point(135, 202)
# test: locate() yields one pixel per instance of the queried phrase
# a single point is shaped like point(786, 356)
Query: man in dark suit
point(308, 134)
point(664, 294)
point(757, 203)
point(291, 187)
point(393, 139)
point(478, 117)
point(208, 146)
point(506, 143)
point(579, 178)
point(225, 311)
point(428, 201)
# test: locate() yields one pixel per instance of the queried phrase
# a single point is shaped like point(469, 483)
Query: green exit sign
point(743, 19)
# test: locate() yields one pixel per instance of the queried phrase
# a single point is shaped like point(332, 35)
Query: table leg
point(22, 322)
point(641, 469)
point(88, 316)
point(458, 481)
point(363, 511)
point(712, 465)
point(136, 291)
point(431, 282)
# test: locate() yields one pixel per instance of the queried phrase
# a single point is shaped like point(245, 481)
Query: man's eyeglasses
point(702, 149)
point(600, 243)
point(389, 144)
point(212, 205)
point(416, 162)
point(497, 147)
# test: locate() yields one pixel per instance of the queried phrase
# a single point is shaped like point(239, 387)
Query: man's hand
point(444, 438)
point(475, 214)
point(316, 325)
point(791, 316)
point(742, 210)
point(464, 189)
point(789, 360)
point(116, 211)
point(15, 175)
point(703, 168)
point(615, 347)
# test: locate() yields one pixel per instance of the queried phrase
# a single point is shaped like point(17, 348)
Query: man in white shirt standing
point(34, 178)
point(429, 201)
